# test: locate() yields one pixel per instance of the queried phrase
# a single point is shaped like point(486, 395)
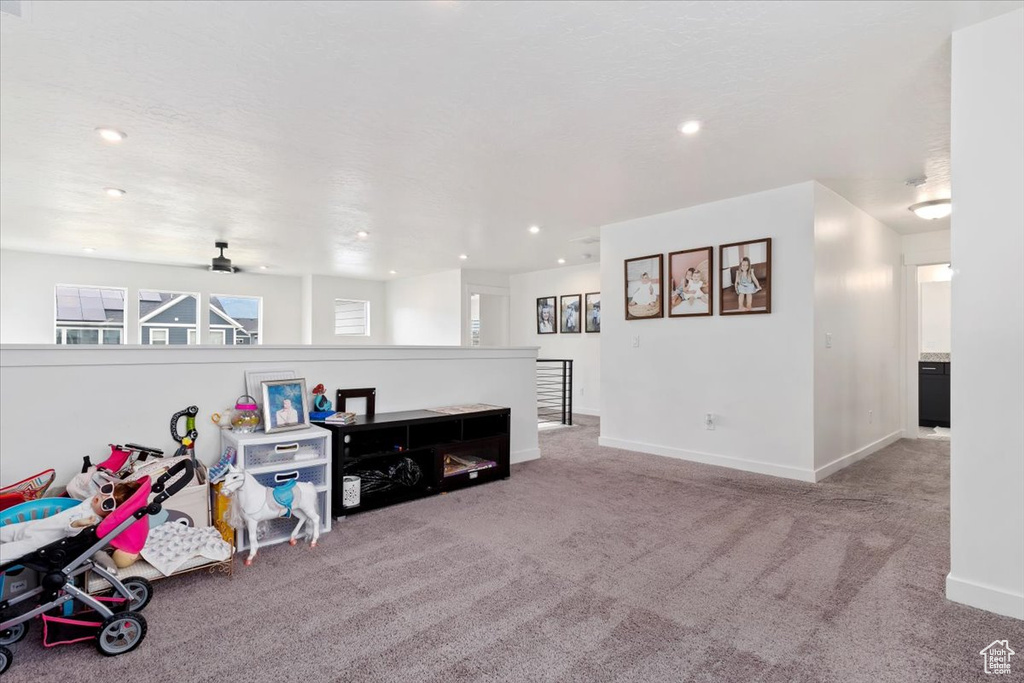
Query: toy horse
point(252, 503)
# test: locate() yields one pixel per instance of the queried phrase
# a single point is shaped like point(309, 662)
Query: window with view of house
point(168, 318)
point(351, 317)
point(89, 315)
point(235, 320)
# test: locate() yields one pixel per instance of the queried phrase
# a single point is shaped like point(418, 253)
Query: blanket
point(172, 544)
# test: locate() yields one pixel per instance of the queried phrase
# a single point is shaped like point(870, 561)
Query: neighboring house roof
point(152, 304)
point(89, 305)
point(250, 325)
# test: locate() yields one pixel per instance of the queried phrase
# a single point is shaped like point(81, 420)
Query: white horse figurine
point(252, 503)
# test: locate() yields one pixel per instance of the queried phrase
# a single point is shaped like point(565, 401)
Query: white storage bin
point(315, 475)
point(285, 452)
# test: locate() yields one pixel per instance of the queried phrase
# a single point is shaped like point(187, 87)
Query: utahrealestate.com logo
point(997, 657)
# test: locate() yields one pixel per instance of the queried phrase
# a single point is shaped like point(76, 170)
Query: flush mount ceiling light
point(362, 234)
point(689, 127)
point(222, 264)
point(534, 229)
point(932, 209)
point(111, 135)
point(114, 192)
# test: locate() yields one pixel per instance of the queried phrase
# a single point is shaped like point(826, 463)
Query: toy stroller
point(114, 622)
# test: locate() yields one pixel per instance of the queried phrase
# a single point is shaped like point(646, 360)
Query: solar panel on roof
point(69, 308)
point(92, 309)
point(67, 291)
point(89, 293)
point(149, 296)
point(113, 300)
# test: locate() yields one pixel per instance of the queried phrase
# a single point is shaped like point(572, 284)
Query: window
point(89, 315)
point(351, 318)
point(237, 318)
point(168, 317)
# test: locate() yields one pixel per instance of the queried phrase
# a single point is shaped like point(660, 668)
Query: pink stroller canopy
point(133, 538)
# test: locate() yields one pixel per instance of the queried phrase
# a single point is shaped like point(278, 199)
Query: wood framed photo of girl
point(592, 310)
point(644, 278)
point(547, 320)
point(691, 282)
point(571, 313)
point(746, 269)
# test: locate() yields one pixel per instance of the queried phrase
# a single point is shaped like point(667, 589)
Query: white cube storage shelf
point(272, 459)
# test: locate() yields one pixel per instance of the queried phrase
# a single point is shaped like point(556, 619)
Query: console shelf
point(403, 456)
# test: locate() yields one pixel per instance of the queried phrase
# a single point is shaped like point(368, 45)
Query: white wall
point(857, 285)
point(987, 462)
point(128, 394)
point(325, 289)
point(27, 283)
point(935, 305)
point(754, 372)
point(426, 310)
point(584, 348)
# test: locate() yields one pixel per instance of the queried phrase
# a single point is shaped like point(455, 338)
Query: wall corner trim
point(755, 466)
point(845, 461)
point(982, 596)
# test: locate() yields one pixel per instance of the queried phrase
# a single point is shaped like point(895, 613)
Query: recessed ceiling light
point(463, 257)
point(111, 135)
point(114, 192)
point(393, 272)
point(933, 209)
point(362, 234)
point(534, 229)
point(561, 261)
point(689, 127)
point(88, 250)
point(264, 267)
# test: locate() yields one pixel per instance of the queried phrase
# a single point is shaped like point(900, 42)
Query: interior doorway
point(488, 318)
point(934, 367)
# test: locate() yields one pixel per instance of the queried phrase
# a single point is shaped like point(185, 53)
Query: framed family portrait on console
point(644, 276)
point(691, 283)
point(746, 269)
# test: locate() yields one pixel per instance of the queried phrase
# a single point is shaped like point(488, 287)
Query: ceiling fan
point(222, 264)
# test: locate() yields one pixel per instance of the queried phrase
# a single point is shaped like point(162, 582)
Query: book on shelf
point(460, 464)
point(341, 419)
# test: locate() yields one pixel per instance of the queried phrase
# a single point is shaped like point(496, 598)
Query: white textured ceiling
point(449, 127)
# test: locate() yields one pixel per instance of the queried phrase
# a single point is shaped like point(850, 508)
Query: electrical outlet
point(828, 340)
point(636, 341)
point(709, 421)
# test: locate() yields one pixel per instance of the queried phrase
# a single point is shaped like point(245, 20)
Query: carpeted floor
point(590, 564)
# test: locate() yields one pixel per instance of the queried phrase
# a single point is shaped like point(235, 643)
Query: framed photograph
point(592, 312)
point(547, 315)
point(285, 405)
point(572, 309)
point(691, 282)
point(746, 269)
point(644, 276)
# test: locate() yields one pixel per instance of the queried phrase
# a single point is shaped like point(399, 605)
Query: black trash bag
point(404, 474)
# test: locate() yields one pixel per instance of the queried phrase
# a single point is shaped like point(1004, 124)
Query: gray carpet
point(590, 564)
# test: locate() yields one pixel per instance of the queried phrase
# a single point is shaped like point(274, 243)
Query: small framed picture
point(746, 269)
point(572, 305)
point(644, 276)
point(592, 312)
point(547, 320)
point(691, 282)
point(285, 405)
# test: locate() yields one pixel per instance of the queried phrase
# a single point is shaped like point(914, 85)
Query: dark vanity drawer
point(926, 368)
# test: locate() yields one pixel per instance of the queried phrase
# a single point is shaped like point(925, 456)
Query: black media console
point(412, 454)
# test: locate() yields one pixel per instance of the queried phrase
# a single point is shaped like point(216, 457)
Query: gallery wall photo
point(547, 315)
point(691, 283)
point(645, 278)
point(571, 313)
point(592, 312)
point(746, 277)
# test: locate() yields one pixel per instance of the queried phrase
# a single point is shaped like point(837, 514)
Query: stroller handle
point(163, 493)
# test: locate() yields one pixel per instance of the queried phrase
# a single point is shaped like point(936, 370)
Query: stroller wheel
point(14, 634)
point(121, 633)
point(5, 659)
point(141, 590)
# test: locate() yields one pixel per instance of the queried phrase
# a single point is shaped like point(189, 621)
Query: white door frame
point(468, 291)
point(911, 332)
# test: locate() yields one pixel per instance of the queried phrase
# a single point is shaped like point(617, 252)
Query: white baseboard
point(586, 411)
point(524, 455)
point(711, 459)
point(982, 596)
point(850, 458)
